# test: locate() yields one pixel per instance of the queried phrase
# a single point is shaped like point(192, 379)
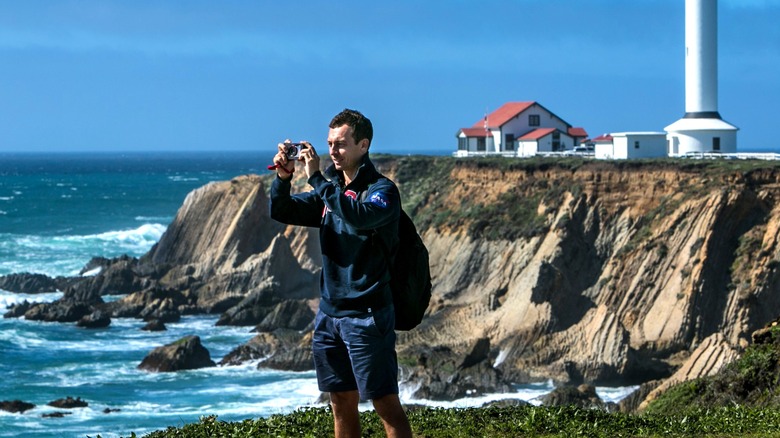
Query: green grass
point(518, 421)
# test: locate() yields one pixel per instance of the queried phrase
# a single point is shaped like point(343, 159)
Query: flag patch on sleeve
point(379, 199)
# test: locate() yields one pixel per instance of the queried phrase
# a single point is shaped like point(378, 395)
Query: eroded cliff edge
point(577, 271)
point(603, 272)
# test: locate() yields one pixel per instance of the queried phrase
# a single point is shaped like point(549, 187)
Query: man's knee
point(388, 406)
point(344, 400)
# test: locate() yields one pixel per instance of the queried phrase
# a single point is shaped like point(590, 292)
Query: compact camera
point(293, 150)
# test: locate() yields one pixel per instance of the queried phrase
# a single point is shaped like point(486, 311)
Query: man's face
point(344, 152)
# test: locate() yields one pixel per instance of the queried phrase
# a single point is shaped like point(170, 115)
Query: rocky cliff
point(578, 271)
point(608, 273)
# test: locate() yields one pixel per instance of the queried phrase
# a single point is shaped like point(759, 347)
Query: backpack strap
point(374, 233)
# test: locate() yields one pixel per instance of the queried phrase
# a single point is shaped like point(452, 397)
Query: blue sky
point(106, 75)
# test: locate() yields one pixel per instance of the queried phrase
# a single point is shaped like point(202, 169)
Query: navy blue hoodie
point(354, 226)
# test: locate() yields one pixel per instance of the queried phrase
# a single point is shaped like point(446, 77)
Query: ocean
point(57, 211)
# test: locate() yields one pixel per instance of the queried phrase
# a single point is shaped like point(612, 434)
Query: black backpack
point(410, 274)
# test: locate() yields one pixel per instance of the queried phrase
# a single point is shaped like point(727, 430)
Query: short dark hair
point(361, 125)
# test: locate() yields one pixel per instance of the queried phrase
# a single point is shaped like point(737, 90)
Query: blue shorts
point(356, 353)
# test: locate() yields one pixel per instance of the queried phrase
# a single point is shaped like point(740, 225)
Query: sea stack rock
point(185, 354)
point(15, 406)
point(97, 319)
point(28, 283)
point(69, 403)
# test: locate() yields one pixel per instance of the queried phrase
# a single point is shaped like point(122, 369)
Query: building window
point(715, 143)
point(463, 144)
point(636, 144)
point(534, 120)
point(509, 142)
point(481, 144)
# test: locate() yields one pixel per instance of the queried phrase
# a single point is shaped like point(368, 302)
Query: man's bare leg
point(393, 416)
point(346, 418)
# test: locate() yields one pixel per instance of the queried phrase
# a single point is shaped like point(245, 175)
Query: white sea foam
point(92, 272)
point(29, 340)
point(529, 393)
point(145, 235)
point(615, 394)
point(10, 298)
point(153, 218)
point(179, 178)
point(67, 254)
point(502, 355)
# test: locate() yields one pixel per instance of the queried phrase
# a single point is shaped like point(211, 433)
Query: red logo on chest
point(348, 194)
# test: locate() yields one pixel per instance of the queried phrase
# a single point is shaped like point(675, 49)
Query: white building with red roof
point(518, 129)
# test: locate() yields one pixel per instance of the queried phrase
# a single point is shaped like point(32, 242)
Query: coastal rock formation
point(62, 310)
point(55, 414)
point(15, 406)
point(282, 349)
point(748, 382)
point(708, 358)
point(96, 319)
point(27, 283)
point(266, 310)
point(583, 396)
point(78, 300)
point(185, 354)
point(442, 374)
point(17, 310)
point(607, 273)
point(221, 251)
point(68, 403)
point(155, 325)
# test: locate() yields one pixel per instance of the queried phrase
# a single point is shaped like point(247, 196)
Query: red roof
point(476, 132)
point(505, 113)
point(603, 138)
point(536, 134)
point(578, 132)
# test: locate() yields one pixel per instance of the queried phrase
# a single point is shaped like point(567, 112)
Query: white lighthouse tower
point(701, 129)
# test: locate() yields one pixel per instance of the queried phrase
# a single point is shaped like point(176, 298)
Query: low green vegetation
point(516, 421)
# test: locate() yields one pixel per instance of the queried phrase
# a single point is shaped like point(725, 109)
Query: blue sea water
point(57, 211)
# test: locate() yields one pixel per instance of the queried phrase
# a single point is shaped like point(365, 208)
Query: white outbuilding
point(626, 145)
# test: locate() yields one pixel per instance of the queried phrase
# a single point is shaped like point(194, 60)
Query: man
point(357, 210)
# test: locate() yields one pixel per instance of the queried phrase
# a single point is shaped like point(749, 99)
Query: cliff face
point(222, 253)
point(630, 272)
point(571, 270)
point(608, 273)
